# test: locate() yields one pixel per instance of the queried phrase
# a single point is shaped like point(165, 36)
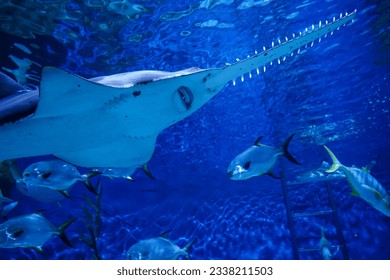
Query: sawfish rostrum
point(113, 121)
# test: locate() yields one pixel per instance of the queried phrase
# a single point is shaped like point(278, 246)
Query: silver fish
point(363, 185)
point(124, 173)
point(31, 231)
point(55, 175)
point(320, 174)
point(258, 159)
point(157, 248)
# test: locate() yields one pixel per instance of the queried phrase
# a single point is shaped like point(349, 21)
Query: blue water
point(335, 93)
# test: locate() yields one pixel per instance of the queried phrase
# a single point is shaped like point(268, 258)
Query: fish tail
point(145, 168)
point(336, 164)
point(187, 248)
point(87, 182)
point(9, 86)
point(61, 230)
point(286, 153)
point(16, 101)
point(189, 244)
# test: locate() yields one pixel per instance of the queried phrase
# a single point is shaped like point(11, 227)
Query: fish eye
point(16, 234)
point(27, 174)
point(247, 165)
point(46, 175)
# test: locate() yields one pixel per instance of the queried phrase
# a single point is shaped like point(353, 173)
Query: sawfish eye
point(186, 96)
point(247, 165)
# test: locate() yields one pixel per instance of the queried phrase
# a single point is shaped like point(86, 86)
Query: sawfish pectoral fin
point(122, 153)
point(64, 93)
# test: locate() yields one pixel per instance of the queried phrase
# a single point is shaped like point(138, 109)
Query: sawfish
point(113, 121)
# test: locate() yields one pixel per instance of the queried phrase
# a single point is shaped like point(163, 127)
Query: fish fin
point(189, 244)
point(286, 153)
point(9, 86)
point(86, 180)
point(65, 193)
point(145, 168)
point(60, 90)
point(129, 178)
point(90, 187)
point(366, 170)
point(165, 233)
point(355, 193)
point(273, 175)
point(38, 250)
point(40, 211)
point(337, 250)
point(91, 174)
point(61, 230)
point(257, 142)
point(376, 193)
point(369, 166)
point(336, 164)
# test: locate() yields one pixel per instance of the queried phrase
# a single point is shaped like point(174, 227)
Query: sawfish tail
point(279, 51)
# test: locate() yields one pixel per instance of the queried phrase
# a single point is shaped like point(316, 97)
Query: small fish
point(112, 173)
point(42, 194)
point(363, 185)
point(31, 231)
point(124, 173)
point(37, 192)
point(325, 247)
point(158, 248)
point(320, 174)
point(56, 175)
point(258, 160)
